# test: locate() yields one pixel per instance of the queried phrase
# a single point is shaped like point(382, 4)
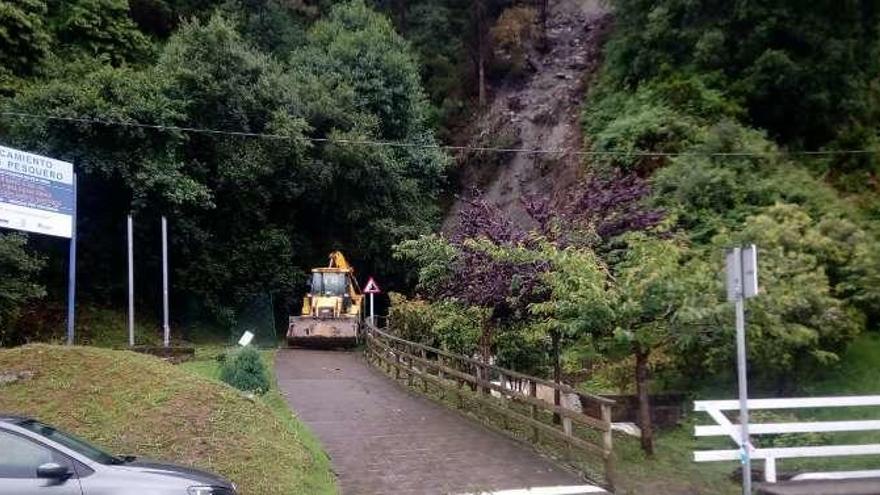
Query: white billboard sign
point(36, 193)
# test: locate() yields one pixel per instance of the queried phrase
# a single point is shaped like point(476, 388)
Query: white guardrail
point(723, 427)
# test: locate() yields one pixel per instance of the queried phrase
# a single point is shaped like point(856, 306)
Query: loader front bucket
point(306, 331)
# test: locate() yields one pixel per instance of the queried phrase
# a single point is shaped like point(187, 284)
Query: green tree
point(816, 60)
point(246, 212)
point(799, 320)
point(18, 285)
point(24, 40)
point(656, 290)
point(96, 28)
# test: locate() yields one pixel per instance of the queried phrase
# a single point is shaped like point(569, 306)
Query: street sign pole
point(743, 394)
point(372, 288)
point(167, 330)
point(71, 275)
point(130, 230)
point(742, 283)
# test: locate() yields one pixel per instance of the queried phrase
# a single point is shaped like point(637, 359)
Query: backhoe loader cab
point(331, 311)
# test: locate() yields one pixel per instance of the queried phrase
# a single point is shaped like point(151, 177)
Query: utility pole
point(130, 230)
point(165, 327)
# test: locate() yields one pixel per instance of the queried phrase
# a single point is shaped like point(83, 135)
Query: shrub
point(244, 369)
point(512, 33)
point(447, 325)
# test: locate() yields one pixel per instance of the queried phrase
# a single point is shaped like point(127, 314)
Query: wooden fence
point(492, 392)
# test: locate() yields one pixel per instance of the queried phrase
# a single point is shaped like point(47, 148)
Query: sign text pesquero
point(36, 193)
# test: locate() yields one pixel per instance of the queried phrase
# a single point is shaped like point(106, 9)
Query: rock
point(7, 377)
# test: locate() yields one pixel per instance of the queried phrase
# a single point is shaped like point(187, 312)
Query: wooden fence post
point(607, 445)
point(424, 370)
point(533, 392)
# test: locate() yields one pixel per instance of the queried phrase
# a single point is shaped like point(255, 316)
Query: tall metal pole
point(71, 275)
point(165, 326)
point(130, 281)
point(372, 309)
point(743, 385)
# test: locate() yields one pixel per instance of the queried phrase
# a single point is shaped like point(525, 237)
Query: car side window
point(20, 456)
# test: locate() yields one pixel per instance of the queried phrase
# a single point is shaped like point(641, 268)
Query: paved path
point(384, 439)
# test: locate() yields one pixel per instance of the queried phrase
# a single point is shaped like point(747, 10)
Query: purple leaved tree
point(600, 209)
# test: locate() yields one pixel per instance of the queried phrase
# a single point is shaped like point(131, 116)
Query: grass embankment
point(206, 365)
point(136, 404)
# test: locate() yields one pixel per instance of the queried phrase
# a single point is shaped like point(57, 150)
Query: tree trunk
point(645, 422)
point(480, 18)
point(542, 20)
point(557, 376)
point(486, 354)
point(401, 8)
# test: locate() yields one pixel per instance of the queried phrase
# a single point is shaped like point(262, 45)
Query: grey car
point(38, 459)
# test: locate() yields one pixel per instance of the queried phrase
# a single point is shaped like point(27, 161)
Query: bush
point(244, 369)
point(447, 324)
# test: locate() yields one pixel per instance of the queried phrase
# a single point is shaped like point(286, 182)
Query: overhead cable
point(444, 147)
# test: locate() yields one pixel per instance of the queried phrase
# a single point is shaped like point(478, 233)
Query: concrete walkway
point(384, 439)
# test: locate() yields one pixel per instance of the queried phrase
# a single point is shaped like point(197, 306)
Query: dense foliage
point(694, 111)
point(815, 60)
point(247, 214)
point(18, 284)
point(718, 83)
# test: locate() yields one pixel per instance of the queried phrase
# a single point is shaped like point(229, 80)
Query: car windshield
point(328, 284)
point(71, 442)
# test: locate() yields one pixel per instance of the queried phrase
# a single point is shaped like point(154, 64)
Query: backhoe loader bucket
point(308, 331)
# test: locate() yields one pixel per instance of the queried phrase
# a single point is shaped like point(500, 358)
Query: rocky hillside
point(537, 112)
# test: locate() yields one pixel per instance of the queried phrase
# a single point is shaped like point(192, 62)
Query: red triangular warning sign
point(372, 287)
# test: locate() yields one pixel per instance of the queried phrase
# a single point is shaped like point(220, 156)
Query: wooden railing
point(508, 397)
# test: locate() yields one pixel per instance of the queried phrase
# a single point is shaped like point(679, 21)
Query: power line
point(444, 147)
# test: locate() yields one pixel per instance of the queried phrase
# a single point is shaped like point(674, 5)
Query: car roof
point(13, 418)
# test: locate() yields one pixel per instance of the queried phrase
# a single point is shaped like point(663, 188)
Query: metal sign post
point(372, 289)
point(167, 330)
point(38, 194)
point(130, 281)
point(71, 274)
point(742, 283)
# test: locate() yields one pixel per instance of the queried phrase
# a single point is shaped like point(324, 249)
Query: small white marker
point(246, 339)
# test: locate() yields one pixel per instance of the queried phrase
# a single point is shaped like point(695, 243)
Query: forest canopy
point(248, 214)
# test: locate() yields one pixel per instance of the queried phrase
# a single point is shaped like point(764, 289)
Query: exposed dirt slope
point(539, 113)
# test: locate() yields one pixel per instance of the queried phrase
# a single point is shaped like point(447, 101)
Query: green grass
point(136, 404)
point(672, 470)
point(206, 364)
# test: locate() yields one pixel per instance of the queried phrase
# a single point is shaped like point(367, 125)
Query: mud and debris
point(541, 112)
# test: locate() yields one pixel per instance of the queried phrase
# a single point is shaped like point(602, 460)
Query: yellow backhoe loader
point(331, 311)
